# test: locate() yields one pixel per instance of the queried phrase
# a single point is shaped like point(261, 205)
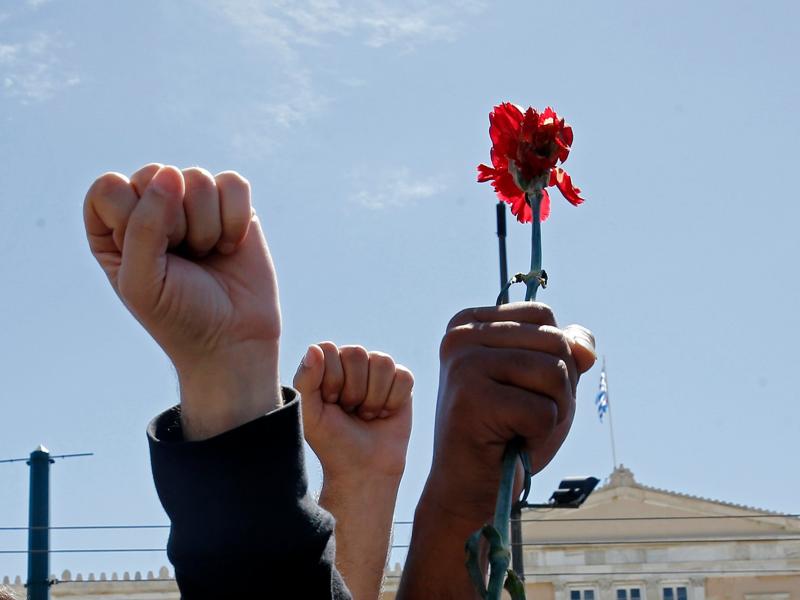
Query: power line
point(556, 520)
point(662, 541)
point(665, 518)
point(85, 527)
point(86, 551)
point(650, 573)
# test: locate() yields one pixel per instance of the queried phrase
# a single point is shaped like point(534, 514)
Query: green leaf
point(514, 586)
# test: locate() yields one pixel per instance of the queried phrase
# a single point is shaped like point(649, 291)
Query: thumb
point(144, 260)
point(308, 378)
point(582, 345)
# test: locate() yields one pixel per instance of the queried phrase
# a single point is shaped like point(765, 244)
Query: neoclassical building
point(633, 542)
point(628, 541)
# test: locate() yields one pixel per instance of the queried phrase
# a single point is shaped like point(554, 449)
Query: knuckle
point(461, 317)
point(545, 311)
point(198, 179)
point(232, 179)
point(354, 353)
point(105, 184)
point(328, 346)
point(455, 338)
point(558, 341)
point(381, 361)
point(404, 377)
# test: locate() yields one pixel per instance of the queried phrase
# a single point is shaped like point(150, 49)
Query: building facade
point(626, 542)
point(633, 542)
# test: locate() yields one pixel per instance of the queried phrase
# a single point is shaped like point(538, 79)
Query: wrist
point(220, 394)
point(469, 497)
point(438, 539)
point(372, 487)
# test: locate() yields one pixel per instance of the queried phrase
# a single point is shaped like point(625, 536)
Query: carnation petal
point(505, 186)
point(504, 123)
point(544, 206)
point(520, 208)
point(564, 183)
point(486, 173)
point(566, 134)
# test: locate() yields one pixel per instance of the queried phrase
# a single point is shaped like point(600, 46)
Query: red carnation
point(525, 149)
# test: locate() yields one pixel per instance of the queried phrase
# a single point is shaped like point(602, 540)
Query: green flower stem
point(499, 558)
point(505, 496)
point(535, 200)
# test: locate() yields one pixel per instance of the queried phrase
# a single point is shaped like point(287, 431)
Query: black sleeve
point(243, 523)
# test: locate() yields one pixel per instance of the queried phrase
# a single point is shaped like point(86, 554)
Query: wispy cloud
point(286, 26)
point(31, 70)
point(392, 188)
point(377, 23)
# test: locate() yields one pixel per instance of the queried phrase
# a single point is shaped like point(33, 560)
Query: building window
point(581, 595)
point(674, 592)
point(629, 593)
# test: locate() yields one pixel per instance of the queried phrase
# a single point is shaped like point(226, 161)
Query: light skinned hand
point(185, 253)
point(357, 419)
point(356, 409)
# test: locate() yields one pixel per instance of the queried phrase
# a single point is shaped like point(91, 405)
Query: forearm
point(222, 392)
point(435, 568)
point(363, 509)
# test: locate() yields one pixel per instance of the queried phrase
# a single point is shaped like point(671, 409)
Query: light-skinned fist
point(356, 409)
point(185, 253)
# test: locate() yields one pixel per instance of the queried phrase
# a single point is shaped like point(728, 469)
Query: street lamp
point(571, 493)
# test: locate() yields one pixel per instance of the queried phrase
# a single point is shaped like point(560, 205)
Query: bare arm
point(357, 419)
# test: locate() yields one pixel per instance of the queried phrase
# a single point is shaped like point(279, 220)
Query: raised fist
point(186, 254)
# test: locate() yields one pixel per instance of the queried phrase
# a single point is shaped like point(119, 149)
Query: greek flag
point(601, 400)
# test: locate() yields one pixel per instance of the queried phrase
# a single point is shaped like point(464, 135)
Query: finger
point(235, 210)
point(140, 180)
point(536, 372)
point(201, 206)
point(524, 413)
point(106, 210)
point(333, 380)
point(512, 334)
point(583, 347)
point(308, 378)
point(144, 261)
point(355, 362)
point(379, 382)
point(508, 334)
point(400, 394)
point(524, 312)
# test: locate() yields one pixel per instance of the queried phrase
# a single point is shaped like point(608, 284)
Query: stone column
point(605, 590)
point(652, 591)
point(698, 588)
point(560, 589)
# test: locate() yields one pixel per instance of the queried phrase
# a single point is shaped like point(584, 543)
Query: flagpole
point(610, 419)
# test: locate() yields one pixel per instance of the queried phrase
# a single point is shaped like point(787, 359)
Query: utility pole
point(39, 525)
point(39, 461)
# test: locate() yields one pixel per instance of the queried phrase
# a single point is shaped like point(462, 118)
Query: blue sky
point(359, 125)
